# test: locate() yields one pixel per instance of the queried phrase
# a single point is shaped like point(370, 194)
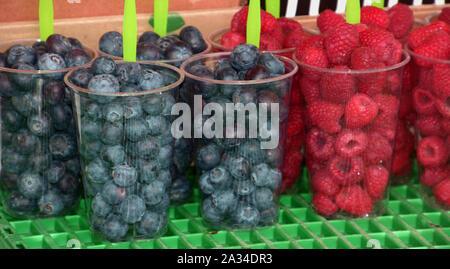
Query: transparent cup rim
point(44, 72)
point(431, 16)
point(77, 89)
point(237, 82)
point(221, 31)
point(412, 53)
point(405, 61)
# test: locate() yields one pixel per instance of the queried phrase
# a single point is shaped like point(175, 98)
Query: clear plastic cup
point(432, 17)
point(239, 178)
point(431, 99)
point(126, 150)
point(350, 135)
point(40, 171)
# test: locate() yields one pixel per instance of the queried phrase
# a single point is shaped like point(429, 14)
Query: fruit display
point(443, 15)
point(239, 175)
point(429, 47)
point(351, 79)
point(123, 117)
point(40, 170)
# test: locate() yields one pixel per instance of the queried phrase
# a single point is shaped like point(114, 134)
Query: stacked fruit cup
point(40, 170)
point(429, 47)
point(351, 120)
point(125, 144)
point(240, 178)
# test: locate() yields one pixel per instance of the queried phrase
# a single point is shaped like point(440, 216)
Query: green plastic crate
point(408, 223)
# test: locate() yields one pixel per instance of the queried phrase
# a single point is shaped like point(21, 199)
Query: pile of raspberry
point(444, 15)
point(351, 118)
point(431, 100)
point(276, 34)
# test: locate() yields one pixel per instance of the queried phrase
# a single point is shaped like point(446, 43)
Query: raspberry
point(363, 58)
point(354, 200)
point(231, 39)
point(376, 180)
point(434, 175)
point(379, 151)
point(277, 34)
point(372, 84)
point(387, 104)
point(314, 41)
point(346, 171)
point(239, 21)
point(432, 151)
point(289, 25)
point(350, 143)
point(295, 122)
point(295, 141)
point(292, 165)
point(323, 183)
point(329, 19)
point(441, 80)
point(384, 126)
point(360, 111)
point(429, 125)
point(401, 163)
point(425, 77)
point(326, 115)
point(323, 204)
point(435, 47)
point(269, 43)
point(374, 16)
point(296, 94)
point(442, 192)
point(446, 125)
point(423, 101)
point(418, 36)
point(404, 139)
point(406, 106)
point(295, 39)
point(381, 42)
point(401, 19)
point(314, 165)
point(337, 87)
point(445, 15)
point(312, 56)
point(319, 144)
point(310, 89)
point(340, 43)
point(443, 106)
point(361, 27)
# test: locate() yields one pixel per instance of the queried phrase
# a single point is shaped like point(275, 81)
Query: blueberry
point(97, 171)
point(257, 73)
point(180, 190)
point(208, 157)
point(54, 92)
point(244, 188)
point(114, 228)
point(136, 129)
point(245, 216)
point(80, 77)
point(150, 80)
point(124, 175)
point(271, 63)
point(152, 223)
point(164, 42)
point(69, 184)
point(273, 156)
point(178, 50)
point(73, 165)
point(103, 65)
point(251, 150)
point(24, 81)
point(132, 108)
point(93, 111)
point(165, 138)
point(7, 89)
point(205, 185)
point(148, 148)
point(112, 43)
point(90, 129)
point(227, 74)
point(20, 53)
point(269, 216)
point(182, 154)
point(91, 149)
point(193, 37)
point(51, 61)
point(105, 83)
point(268, 97)
point(244, 57)
point(264, 176)
point(77, 57)
point(2, 60)
point(210, 212)
point(219, 177)
point(128, 88)
point(31, 185)
point(58, 44)
point(167, 103)
point(162, 206)
point(61, 115)
point(165, 156)
point(15, 162)
point(91, 188)
point(132, 209)
point(20, 204)
point(165, 177)
point(222, 63)
point(238, 166)
point(55, 172)
point(113, 155)
point(153, 192)
point(25, 142)
point(156, 124)
point(113, 112)
point(245, 96)
point(9, 181)
point(12, 120)
point(263, 198)
point(51, 203)
point(148, 36)
point(153, 104)
point(113, 194)
point(29, 103)
point(40, 124)
point(7, 137)
point(128, 72)
point(148, 51)
point(76, 44)
point(62, 146)
point(96, 222)
point(112, 133)
point(224, 200)
point(205, 89)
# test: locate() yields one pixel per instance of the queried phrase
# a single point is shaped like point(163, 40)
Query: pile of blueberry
point(239, 179)
point(153, 47)
point(126, 146)
point(40, 167)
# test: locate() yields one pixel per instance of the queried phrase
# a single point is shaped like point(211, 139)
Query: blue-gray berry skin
point(128, 72)
point(112, 43)
point(25, 142)
point(104, 83)
point(244, 57)
point(40, 124)
point(55, 172)
point(148, 148)
point(90, 150)
point(165, 177)
point(97, 171)
point(20, 53)
point(51, 61)
point(205, 185)
point(165, 156)
point(113, 112)
point(31, 185)
point(245, 96)
point(77, 57)
point(114, 228)
point(150, 80)
point(40, 162)
point(245, 216)
point(238, 166)
point(132, 209)
point(12, 120)
point(62, 146)
point(21, 205)
point(23, 81)
point(162, 206)
point(251, 150)
point(263, 198)
point(93, 111)
point(165, 41)
point(272, 63)
point(132, 108)
point(243, 188)
point(148, 36)
point(224, 200)
point(51, 203)
point(193, 37)
point(103, 65)
point(181, 190)
point(90, 129)
point(61, 117)
point(210, 212)
point(148, 170)
point(113, 194)
point(80, 77)
point(112, 133)
point(113, 155)
point(157, 124)
point(208, 157)
point(100, 207)
point(153, 193)
point(148, 51)
point(220, 177)
point(152, 223)
point(269, 216)
point(178, 51)
point(153, 104)
point(124, 175)
point(69, 184)
point(15, 163)
point(58, 44)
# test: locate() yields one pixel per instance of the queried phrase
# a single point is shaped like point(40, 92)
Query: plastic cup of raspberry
point(239, 154)
point(429, 48)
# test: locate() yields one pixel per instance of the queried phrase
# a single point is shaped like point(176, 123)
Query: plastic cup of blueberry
point(123, 119)
point(239, 150)
point(429, 48)
point(40, 171)
point(352, 94)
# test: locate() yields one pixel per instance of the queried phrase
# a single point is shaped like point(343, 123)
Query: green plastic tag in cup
point(273, 7)
point(254, 23)
point(45, 18)
point(378, 3)
point(353, 12)
point(161, 10)
point(129, 31)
